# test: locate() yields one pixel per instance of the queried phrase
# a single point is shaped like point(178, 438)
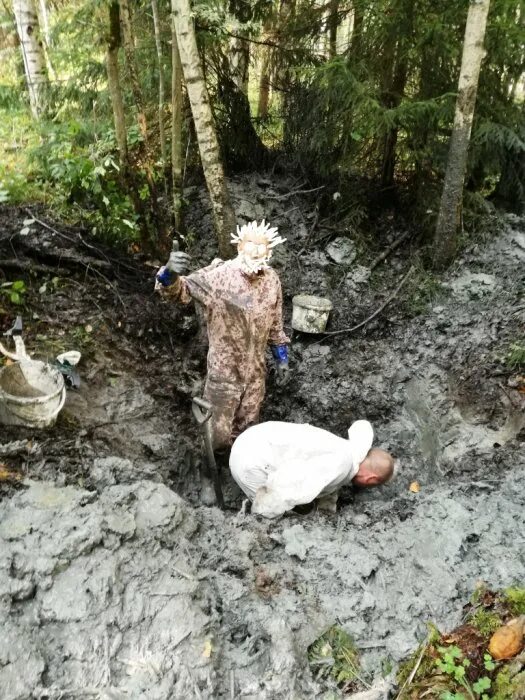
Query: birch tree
point(162, 91)
point(32, 52)
point(176, 128)
point(223, 213)
point(449, 217)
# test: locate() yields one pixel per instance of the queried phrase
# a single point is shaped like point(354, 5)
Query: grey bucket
point(310, 313)
point(32, 393)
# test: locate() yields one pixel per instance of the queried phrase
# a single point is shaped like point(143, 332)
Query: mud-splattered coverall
point(244, 314)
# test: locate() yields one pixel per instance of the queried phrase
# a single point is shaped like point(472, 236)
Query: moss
point(334, 654)
point(508, 687)
point(428, 662)
point(515, 600)
point(486, 622)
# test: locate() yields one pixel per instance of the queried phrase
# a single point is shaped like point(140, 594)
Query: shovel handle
point(202, 410)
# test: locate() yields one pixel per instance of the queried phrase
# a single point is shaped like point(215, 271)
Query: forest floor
point(116, 583)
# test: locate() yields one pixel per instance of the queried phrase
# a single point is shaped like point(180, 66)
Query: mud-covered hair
point(262, 229)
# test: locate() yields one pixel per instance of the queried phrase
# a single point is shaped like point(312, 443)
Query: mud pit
point(115, 583)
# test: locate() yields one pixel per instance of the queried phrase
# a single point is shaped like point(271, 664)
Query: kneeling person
point(281, 465)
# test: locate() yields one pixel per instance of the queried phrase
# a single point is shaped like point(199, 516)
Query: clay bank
point(115, 582)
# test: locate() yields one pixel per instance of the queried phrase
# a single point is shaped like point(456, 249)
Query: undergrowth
point(333, 655)
point(458, 665)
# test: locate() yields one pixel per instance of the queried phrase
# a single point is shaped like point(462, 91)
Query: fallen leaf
point(7, 475)
point(208, 648)
point(414, 487)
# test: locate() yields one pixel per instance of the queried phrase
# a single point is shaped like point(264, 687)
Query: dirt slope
point(115, 583)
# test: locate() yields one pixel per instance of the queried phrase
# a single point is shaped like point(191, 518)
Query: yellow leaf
point(414, 487)
point(208, 648)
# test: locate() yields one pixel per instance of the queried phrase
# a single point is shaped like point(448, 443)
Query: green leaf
point(15, 298)
point(459, 672)
point(481, 684)
point(19, 286)
point(489, 662)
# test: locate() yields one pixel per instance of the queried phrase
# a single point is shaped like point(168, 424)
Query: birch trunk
point(45, 22)
point(449, 217)
point(176, 127)
point(32, 52)
point(162, 91)
point(223, 213)
point(117, 102)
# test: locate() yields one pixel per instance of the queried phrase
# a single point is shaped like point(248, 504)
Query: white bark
point(176, 129)
point(32, 51)
point(162, 91)
point(449, 218)
point(45, 21)
point(204, 126)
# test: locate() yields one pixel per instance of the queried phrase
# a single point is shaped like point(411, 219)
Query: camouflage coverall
point(244, 314)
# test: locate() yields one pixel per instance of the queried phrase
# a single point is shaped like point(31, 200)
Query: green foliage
point(485, 621)
point(86, 178)
point(14, 291)
point(423, 290)
point(378, 112)
point(515, 597)
point(515, 360)
point(334, 654)
point(452, 663)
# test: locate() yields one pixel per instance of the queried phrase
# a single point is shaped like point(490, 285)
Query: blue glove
point(178, 264)
point(280, 354)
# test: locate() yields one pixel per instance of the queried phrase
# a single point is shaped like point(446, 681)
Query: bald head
point(376, 468)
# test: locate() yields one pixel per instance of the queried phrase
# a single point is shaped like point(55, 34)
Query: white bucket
point(32, 393)
point(310, 314)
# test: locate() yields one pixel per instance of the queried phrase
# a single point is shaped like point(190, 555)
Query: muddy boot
point(207, 494)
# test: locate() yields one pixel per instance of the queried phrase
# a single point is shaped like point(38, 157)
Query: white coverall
point(281, 465)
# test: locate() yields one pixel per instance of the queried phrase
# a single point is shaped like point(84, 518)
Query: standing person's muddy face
point(254, 245)
point(254, 254)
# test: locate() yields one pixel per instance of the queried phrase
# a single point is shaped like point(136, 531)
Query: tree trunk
point(356, 37)
point(265, 53)
point(224, 215)
point(449, 217)
point(45, 22)
point(264, 85)
point(333, 22)
point(176, 127)
point(32, 52)
point(239, 62)
point(146, 150)
point(129, 50)
point(162, 91)
point(117, 103)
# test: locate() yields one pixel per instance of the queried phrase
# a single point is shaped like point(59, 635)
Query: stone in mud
point(342, 251)
point(296, 541)
point(107, 471)
point(473, 284)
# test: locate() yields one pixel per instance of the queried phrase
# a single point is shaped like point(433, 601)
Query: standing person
point(242, 300)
